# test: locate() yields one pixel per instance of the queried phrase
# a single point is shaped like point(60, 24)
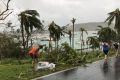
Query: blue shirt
point(105, 47)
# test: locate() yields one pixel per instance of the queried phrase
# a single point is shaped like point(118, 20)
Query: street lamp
point(73, 22)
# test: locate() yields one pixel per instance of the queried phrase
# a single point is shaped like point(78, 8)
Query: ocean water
point(65, 38)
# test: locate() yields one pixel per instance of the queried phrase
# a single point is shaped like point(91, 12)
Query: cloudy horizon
point(62, 11)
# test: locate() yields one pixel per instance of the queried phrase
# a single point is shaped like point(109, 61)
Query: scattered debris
point(45, 65)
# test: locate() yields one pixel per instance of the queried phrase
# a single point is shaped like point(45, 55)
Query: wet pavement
point(100, 70)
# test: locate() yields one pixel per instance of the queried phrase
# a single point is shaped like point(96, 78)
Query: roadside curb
point(66, 70)
point(53, 73)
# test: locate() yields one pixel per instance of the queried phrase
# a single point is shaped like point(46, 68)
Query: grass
point(11, 70)
point(24, 71)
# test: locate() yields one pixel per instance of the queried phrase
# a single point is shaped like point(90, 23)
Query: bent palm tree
point(68, 32)
point(114, 16)
point(55, 33)
point(29, 20)
point(106, 34)
point(93, 42)
point(51, 31)
point(82, 30)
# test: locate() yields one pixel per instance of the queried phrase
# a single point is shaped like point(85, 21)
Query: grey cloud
point(63, 10)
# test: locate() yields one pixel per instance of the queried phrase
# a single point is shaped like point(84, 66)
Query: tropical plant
point(93, 42)
point(82, 30)
point(73, 22)
point(68, 32)
point(6, 51)
point(29, 20)
point(114, 16)
point(70, 36)
point(65, 54)
point(106, 34)
point(52, 33)
point(68, 54)
point(55, 33)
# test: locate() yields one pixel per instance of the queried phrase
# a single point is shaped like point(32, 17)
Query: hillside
point(91, 26)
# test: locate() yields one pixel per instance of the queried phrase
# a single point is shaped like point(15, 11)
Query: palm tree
point(58, 34)
point(51, 31)
point(93, 42)
point(70, 36)
point(55, 33)
point(68, 32)
point(73, 22)
point(114, 16)
point(106, 34)
point(82, 30)
point(29, 20)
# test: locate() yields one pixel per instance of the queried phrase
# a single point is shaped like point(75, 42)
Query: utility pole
point(73, 22)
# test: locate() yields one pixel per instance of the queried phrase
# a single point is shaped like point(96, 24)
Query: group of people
point(34, 51)
point(106, 47)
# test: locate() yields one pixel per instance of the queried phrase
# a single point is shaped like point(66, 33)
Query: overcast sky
point(62, 11)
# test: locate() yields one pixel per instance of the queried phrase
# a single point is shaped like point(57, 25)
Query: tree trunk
point(57, 45)
point(27, 40)
point(50, 49)
point(70, 41)
point(31, 42)
point(81, 47)
point(23, 39)
point(81, 41)
point(73, 37)
point(31, 39)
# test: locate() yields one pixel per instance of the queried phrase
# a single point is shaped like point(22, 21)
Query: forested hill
point(91, 26)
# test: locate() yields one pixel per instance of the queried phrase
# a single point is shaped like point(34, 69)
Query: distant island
point(90, 26)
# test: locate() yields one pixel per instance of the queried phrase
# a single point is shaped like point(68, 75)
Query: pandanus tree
point(82, 30)
point(29, 20)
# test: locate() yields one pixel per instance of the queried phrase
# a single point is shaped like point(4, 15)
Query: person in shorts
point(34, 54)
point(105, 49)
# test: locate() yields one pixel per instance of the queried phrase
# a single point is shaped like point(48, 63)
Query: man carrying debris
point(34, 53)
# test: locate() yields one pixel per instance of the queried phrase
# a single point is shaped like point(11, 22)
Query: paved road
point(99, 70)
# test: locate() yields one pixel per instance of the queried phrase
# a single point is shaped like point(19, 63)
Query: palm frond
point(31, 12)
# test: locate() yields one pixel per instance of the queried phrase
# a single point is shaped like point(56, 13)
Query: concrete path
point(100, 70)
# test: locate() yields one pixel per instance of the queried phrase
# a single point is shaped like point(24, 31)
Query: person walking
point(33, 52)
point(116, 46)
point(105, 49)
